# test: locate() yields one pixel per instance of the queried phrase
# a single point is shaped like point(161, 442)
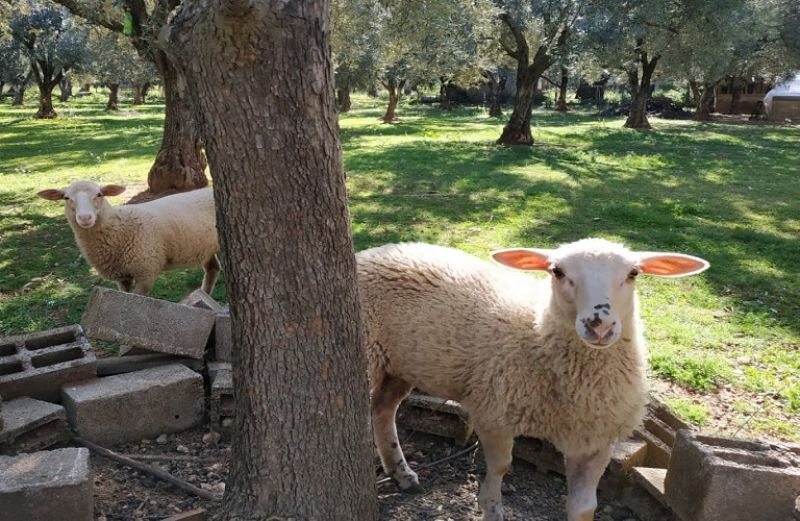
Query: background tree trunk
point(138, 97)
point(19, 95)
point(301, 445)
point(640, 90)
point(113, 97)
point(46, 110)
point(518, 129)
point(343, 99)
point(737, 86)
point(395, 90)
point(562, 91)
point(497, 83)
point(86, 87)
point(66, 89)
point(180, 164)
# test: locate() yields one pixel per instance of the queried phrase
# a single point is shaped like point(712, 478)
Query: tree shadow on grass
point(712, 195)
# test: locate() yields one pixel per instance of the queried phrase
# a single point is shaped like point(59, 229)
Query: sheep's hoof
point(412, 489)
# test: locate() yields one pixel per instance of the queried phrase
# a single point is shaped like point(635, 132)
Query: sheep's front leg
point(386, 397)
point(497, 447)
point(211, 268)
point(125, 284)
point(583, 475)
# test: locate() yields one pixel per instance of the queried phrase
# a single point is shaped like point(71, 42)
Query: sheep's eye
point(66, 198)
point(99, 194)
point(632, 275)
point(557, 272)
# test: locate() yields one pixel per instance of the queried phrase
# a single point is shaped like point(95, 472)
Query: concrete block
point(1, 414)
point(53, 485)
point(149, 323)
point(128, 364)
point(445, 418)
point(652, 479)
point(133, 406)
point(223, 336)
point(726, 479)
point(32, 425)
point(221, 403)
point(659, 427)
point(627, 454)
point(38, 364)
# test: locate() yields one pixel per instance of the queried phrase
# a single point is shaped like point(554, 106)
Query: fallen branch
point(153, 471)
point(169, 457)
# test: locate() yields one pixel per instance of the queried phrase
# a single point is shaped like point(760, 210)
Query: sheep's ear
point(112, 190)
point(526, 259)
point(671, 264)
point(51, 194)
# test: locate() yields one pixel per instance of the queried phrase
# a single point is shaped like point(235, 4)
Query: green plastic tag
point(127, 24)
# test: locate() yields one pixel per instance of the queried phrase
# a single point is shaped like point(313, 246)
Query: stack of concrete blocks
point(221, 340)
point(33, 367)
point(221, 407)
point(444, 418)
point(712, 478)
point(54, 485)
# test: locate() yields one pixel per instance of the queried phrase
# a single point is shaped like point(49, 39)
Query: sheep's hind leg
point(125, 284)
point(386, 398)
point(583, 475)
point(497, 447)
point(211, 268)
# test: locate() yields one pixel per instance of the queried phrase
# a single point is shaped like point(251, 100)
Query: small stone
point(211, 438)
point(161, 440)
point(182, 449)
point(227, 422)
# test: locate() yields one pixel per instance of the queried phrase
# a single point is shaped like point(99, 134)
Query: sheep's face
point(595, 280)
point(83, 201)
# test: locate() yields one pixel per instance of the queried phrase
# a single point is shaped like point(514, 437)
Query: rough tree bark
point(138, 93)
point(46, 110)
point(113, 97)
point(497, 83)
point(518, 129)
point(343, 100)
point(395, 89)
point(640, 89)
point(180, 164)
point(19, 91)
point(301, 445)
point(562, 91)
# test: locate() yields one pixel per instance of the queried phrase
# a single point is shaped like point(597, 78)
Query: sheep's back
point(439, 318)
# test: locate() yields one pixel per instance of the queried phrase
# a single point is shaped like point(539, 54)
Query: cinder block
point(726, 479)
point(223, 336)
point(221, 404)
point(221, 340)
point(652, 479)
point(133, 406)
point(32, 425)
point(1, 414)
point(445, 418)
point(54, 485)
point(200, 299)
point(540, 453)
point(38, 364)
point(128, 364)
point(659, 427)
point(153, 324)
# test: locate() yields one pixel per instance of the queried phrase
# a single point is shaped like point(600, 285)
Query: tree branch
point(94, 18)
point(522, 51)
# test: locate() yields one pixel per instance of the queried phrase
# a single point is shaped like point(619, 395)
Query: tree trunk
point(19, 95)
point(640, 90)
point(497, 83)
point(46, 110)
point(145, 89)
point(562, 91)
point(343, 99)
point(137, 94)
point(444, 99)
point(66, 89)
point(301, 446)
point(395, 90)
point(737, 86)
point(86, 87)
point(180, 164)
point(113, 97)
point(518, 129)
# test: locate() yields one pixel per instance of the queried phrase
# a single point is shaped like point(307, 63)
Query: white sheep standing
point(132, 244)
point(562, 360)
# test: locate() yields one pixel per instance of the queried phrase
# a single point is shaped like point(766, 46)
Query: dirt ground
point(450, 491)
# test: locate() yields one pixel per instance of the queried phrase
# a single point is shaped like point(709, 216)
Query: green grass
point(694, 413)
point(725, 192)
